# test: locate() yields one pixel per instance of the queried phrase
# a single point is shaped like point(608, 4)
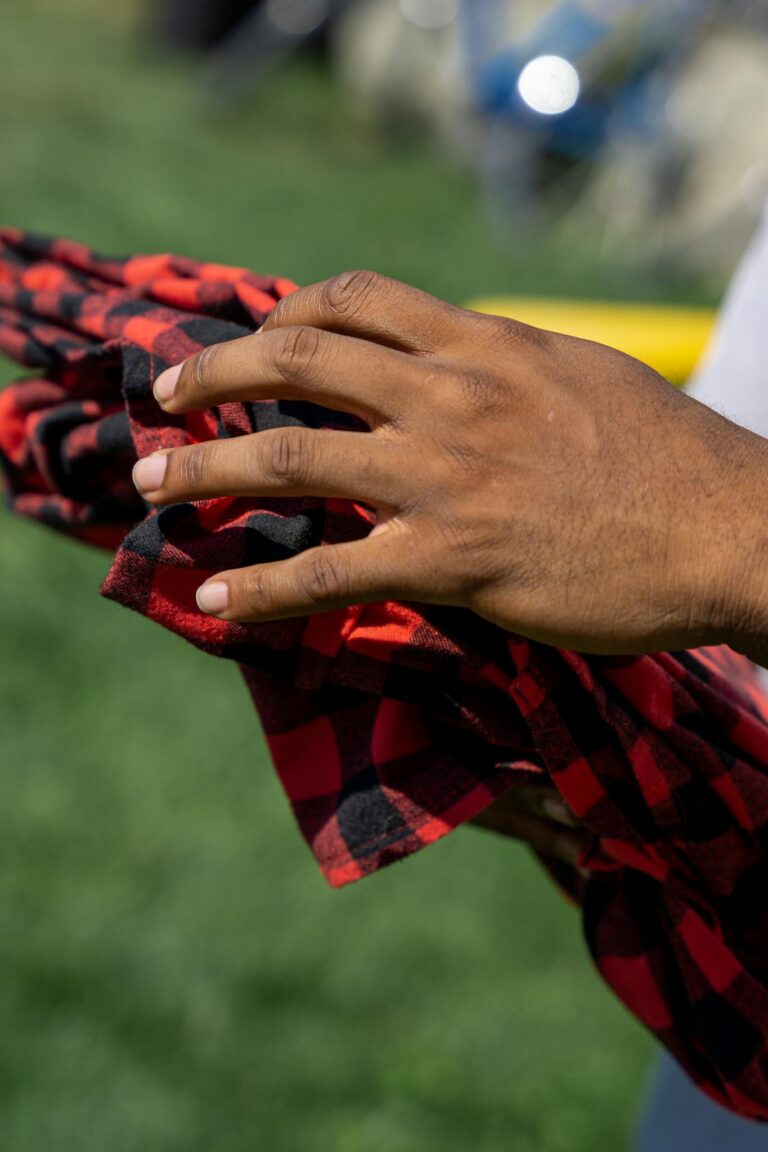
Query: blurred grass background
point(174, 975)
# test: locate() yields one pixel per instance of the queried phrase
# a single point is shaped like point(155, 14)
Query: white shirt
point(733, 377)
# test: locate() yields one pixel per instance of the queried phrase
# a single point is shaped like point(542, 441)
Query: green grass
point(174, 975)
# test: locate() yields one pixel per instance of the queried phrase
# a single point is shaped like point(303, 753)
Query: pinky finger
point(318, 580)
point(543, 836)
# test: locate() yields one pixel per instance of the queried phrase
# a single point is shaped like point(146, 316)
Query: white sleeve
point(733, 377)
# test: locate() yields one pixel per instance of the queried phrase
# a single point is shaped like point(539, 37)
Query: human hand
point(552, 485)
point(536, 814)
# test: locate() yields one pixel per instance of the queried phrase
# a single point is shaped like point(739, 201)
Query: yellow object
point(669, 338)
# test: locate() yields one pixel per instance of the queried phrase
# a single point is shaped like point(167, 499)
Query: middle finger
point(283, 462)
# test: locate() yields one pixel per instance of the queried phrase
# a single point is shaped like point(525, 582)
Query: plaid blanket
point(390, 724)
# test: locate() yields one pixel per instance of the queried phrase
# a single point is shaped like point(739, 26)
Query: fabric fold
point(391, 724)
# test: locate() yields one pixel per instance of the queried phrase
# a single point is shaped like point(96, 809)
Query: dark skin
point(538, 816)
point(554, 486)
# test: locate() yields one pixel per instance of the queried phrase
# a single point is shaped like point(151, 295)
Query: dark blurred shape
point(272, 31)
point(200, 23)
point(244, 39)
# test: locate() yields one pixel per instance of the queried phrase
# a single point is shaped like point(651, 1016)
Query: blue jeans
point(680, 1118)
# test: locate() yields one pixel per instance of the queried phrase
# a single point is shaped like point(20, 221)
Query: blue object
point(573, 30)
point(680, 1118)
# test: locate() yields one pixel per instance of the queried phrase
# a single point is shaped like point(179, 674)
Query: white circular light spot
point(549, 84)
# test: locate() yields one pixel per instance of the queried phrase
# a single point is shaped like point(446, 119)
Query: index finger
point(373, 307)
point(303, 363)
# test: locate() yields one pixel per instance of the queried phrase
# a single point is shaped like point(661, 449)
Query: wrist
point(735, 589)
point(747, 630)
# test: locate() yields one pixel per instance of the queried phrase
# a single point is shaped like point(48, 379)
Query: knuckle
point(469, 545)
point(280, 314)
point(515, 335)
point(455, 532)
point(295, 350)
point(283, 456)
point(322, 578)
point(194, 467)
point(463, 456)
point(205, 369)
point(346, 295)
point(482, 394)
point(253, 592)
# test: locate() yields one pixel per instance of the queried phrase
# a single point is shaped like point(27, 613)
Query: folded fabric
point(391, 724)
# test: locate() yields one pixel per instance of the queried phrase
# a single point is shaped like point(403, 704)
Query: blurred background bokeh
point(174, 975)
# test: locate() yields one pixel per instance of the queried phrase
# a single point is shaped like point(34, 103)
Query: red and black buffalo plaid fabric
point(391, 724)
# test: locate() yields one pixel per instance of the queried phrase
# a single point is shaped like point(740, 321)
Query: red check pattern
point(391, 724)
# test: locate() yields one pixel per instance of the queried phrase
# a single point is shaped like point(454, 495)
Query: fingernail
point(149, 473)
point(556, 810)
point(213, 598)
point(165, 385)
